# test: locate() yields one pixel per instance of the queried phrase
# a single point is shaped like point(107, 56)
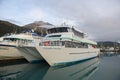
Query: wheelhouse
point(65, 30)
point(58, 30)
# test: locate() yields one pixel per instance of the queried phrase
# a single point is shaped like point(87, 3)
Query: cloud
point(36, 14)
point(68, 21)
point(100, 19)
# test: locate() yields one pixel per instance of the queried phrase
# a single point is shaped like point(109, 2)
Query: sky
point(100, 19)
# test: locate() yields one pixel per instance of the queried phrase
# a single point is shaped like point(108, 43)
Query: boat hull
point(61, 55)
point(30, 54)
point(10, 52)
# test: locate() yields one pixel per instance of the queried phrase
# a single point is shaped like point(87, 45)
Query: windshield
point(58, 30)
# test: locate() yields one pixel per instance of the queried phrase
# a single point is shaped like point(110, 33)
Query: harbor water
point(105, 67)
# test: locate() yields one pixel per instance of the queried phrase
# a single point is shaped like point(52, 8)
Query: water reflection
point(80, 71)
point(11, 72)
point(42, 71)
point(34, 72)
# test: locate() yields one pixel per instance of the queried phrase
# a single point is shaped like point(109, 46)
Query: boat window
point(68, 44)
point(71, 44)
point(10, 39)
point(63, 43)
point(51, 43)
point(24, 42)
point(54, 36)
point(58, 30)
point(80, 34)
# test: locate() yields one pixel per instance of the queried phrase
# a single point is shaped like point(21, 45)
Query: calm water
point(103, 68)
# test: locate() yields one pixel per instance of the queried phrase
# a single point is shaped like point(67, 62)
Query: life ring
point(46, 43)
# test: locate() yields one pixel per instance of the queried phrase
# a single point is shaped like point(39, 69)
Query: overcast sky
point(100, 19)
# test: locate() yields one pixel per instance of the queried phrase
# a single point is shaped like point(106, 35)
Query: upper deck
point(67, 34)
point(63, 30)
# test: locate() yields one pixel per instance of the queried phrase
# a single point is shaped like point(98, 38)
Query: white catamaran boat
point(18, 41)
point(66, 44)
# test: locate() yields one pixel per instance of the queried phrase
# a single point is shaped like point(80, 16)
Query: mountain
point(7, 27)
point(108, 44)
point(39, 26)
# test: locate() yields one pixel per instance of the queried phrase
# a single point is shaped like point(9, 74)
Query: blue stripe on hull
point(7, 45)
point(36, 61)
